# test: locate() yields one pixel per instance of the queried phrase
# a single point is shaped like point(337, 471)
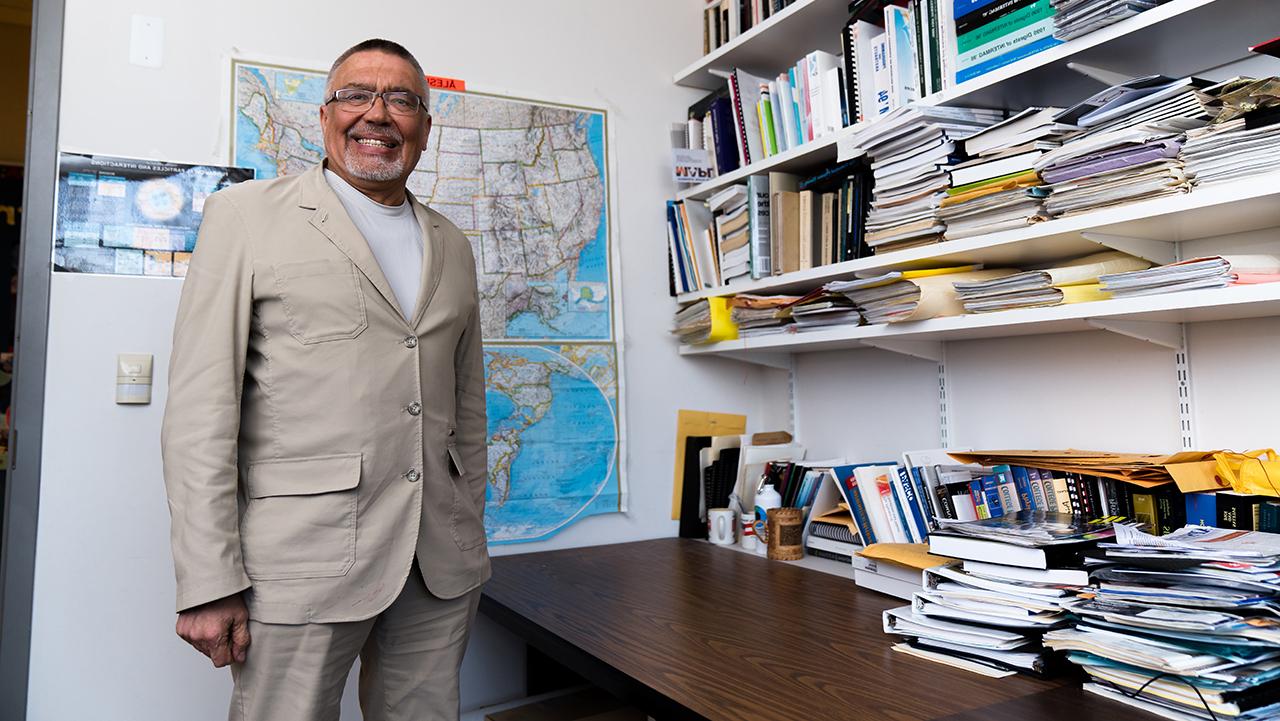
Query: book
point(1028, 539)
point(1015, 574)
point(744, 90)
point(758, 197)
point(901, 56)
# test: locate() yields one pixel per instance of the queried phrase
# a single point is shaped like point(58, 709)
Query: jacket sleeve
point(472, 421)
point(202, 413)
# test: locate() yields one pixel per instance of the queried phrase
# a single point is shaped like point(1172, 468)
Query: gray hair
point(380, 45)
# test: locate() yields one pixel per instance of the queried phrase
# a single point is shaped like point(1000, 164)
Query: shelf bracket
point(926, 349)
point(1166, 335)
point(1156, 251)
point(1102, 75)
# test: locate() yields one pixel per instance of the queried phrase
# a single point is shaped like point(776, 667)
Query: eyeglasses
point(399, 102)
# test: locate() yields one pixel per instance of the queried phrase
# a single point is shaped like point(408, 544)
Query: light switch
point(133, 378)
point(146, 41)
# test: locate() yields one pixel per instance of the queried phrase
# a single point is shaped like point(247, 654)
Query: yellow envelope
point(911, 555)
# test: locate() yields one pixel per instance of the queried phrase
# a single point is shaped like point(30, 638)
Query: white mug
point(720, 522)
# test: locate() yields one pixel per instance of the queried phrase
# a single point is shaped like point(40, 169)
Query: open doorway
point(15, 53)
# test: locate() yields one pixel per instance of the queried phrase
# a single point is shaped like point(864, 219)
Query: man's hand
point(218, 629)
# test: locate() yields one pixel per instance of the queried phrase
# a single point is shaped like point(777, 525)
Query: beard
point(377, 170)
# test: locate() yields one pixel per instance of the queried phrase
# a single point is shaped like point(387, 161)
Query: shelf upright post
point(944, 400)
point(1186, 405)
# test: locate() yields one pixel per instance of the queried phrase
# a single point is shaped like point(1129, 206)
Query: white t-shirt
point(394, 236)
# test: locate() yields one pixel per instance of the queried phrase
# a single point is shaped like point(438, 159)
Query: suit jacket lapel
point(331, 219)
point(433, 251)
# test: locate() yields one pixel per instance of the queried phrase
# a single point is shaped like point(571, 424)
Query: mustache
point(368, 130)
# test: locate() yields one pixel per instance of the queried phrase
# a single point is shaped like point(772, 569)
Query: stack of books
point(732, 232)
point(899, 296)
point(990, 35)
point(909, 149)
point(991, 614)
point(1218, 271)
point(996, 189)
point(1079, 17)
point(1074, 281)
point(1183, 626)
point(724, 20)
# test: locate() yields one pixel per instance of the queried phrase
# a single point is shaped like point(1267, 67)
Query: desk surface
point(686, 630)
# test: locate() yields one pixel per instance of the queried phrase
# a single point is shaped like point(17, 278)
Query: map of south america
point(526, 182)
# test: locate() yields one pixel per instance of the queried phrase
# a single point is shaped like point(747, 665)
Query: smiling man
point(324, 434)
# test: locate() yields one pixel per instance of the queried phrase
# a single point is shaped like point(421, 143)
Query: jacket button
point(411, 341)
point(415, 408)
point(411, 475)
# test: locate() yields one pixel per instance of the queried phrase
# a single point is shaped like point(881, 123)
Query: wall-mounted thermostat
point(133, 378)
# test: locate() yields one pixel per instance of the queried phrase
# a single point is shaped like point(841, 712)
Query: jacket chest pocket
point(300, 521)
point(322, 300)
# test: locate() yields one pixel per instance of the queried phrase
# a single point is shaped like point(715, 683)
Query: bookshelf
point(1149, 229)
point(1147, 318)
point(803, 24)
point(1158, 40)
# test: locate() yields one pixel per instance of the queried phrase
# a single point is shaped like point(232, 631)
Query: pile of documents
point(1128, 145)
point(908, 148)
point(1217, 271)
point(1075, 281)
point(1184, 626)
point(989, 615)
point(825, 310)
point(1236, 149)
point(996, 188)
point(911, 294)
point(1074, 18)
point(757, 315)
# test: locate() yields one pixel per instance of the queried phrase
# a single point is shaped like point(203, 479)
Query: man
point(324, 436)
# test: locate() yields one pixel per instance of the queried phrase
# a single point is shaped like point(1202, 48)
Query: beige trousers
point(410, 655)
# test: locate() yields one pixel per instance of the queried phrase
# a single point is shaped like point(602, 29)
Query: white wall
point(102, 640)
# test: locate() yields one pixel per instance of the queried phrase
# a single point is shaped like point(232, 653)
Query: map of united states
point(526, 183)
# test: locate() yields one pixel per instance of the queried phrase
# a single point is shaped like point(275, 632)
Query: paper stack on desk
point(1020, 572)
point(1185, 626)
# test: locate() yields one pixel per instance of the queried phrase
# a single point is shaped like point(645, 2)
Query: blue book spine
point(1050, 495)
point(677, 252)
point(991, 492)
point(1012, 56)
point(913, 505)
point(795, 106)
point(849, 485)
point(896, 490)
point(1022, 481)
point(922, 492)
point(1202, 509)
point(979, 499)
point(964, 7)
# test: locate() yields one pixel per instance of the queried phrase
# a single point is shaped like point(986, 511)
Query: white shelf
point(1236, 207)
point(813, 563)
point(767, 48)
point(1235, 302)
point(1181, 37)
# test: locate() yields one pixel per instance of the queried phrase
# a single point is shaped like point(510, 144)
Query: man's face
point(375, 146)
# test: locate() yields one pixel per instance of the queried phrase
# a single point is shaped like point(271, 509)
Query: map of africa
point(526, 183)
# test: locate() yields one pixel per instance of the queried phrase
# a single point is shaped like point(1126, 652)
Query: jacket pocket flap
point(304, 476)
point(456, 461)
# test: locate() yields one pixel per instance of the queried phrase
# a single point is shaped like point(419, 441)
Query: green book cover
point(766, 113)
point(1002, 26)
point(983, 183)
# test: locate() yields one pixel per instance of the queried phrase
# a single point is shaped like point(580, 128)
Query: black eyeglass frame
point(422, 104)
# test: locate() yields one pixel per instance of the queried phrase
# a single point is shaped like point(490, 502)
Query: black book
point(691, 523)
point(726, 476)
point(1235, 511)
point(1171, 509)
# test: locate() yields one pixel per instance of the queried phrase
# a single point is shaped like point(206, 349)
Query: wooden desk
point(685, 630)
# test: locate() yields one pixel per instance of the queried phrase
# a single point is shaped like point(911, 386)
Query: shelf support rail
point(1166, 335)
point(944, 401)
point(924, 349)
point(1186, 406)
point(1156, 251)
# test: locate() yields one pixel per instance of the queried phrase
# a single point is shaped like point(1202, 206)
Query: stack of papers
point(908, 149)
point(1112, 168)
point(757, 315)
point(1218, 271)
point(1078, 17)
point(1075, 281)
point(996, 609)
point(1235, 149)
point(1185, 624)
point(910, 295)
point(693, 323)
point(825, 310)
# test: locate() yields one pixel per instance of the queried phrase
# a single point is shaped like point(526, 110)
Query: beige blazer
point(314, 441)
